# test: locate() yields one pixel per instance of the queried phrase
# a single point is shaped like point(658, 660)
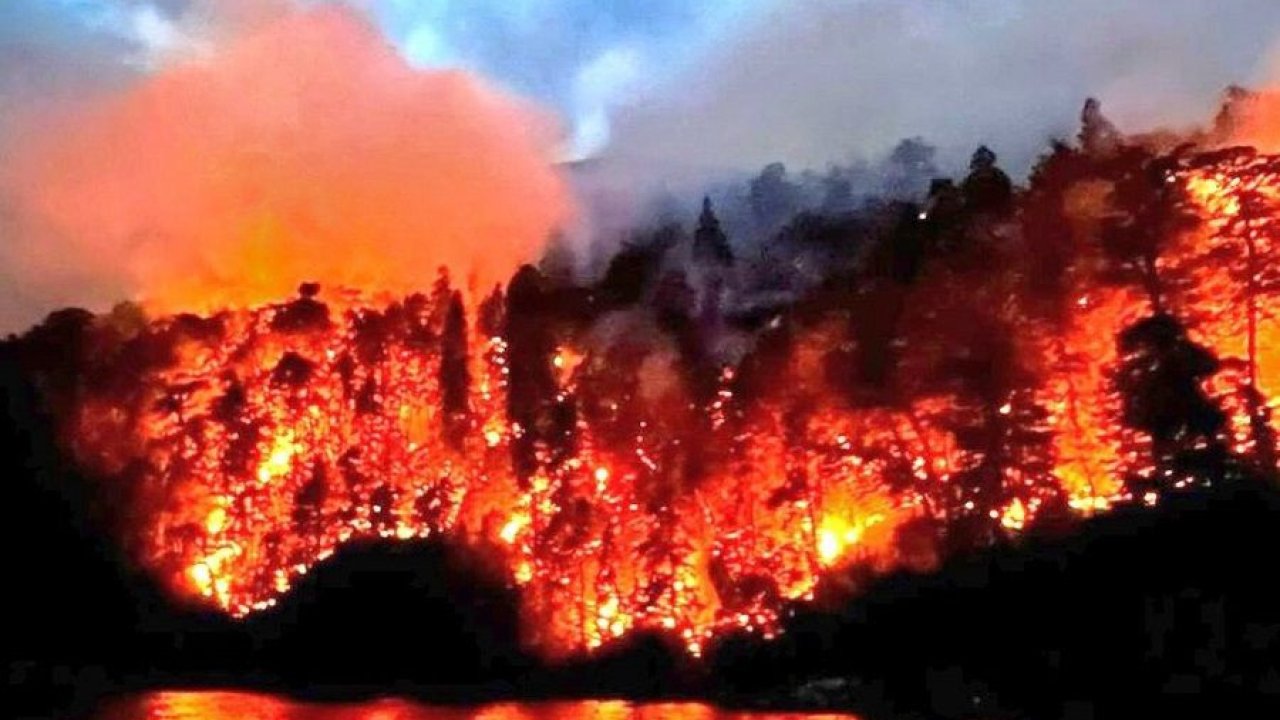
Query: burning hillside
point(260, 440)
point(995, 359)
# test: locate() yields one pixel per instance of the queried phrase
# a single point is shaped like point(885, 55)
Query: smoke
point(1255, 118)
point(672, 96)
point(584, 57)
point(302, 149)
point(818, 81)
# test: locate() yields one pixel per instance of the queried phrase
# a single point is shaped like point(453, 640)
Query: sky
point(583, 58)
point(730, 81)
point(816, 81)
point(667, 94)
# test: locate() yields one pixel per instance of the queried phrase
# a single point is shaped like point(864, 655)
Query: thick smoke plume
point(816, 81)
point(305, 150)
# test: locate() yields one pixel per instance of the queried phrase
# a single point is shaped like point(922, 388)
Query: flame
point(266, 437)
point(837, 535)
point(279, 459)
point(270, 436)
point(1081, 403)
point(1232, 289)
point(1014, 516)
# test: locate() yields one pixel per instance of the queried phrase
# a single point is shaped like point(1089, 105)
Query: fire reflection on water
point(200, 705)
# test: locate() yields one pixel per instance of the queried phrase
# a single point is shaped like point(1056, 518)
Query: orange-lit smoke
point(303, 150)
point(1254, 118)
point(250, 445)
point(1257, 122)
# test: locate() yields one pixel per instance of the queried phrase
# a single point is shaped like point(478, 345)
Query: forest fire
point(750, 360)
point(627, 486)
point(274, 435)
point(1231, 268)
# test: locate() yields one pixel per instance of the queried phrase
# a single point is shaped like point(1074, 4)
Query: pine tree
point(1228, 274)
point(1147, 215)
point(1160, 380)
point(710, 245)
point(1098, 136)
point(773, 197)
point(1235, 103)
point(910, 167)
point(531, 389)
point(455, 379)
point(987, 188)
point(837, 191)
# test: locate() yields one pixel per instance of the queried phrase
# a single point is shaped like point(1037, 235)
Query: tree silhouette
point(532, 390)
point(1235, 103)
point(558, 262)
point(837, 191)
point(943, 220)
point(1147, 214)
point(1229, 277)
point(1048, 230)
point(909, 169)
point(772, 196)
point(1160, 382)
point(635, 268)
point(455, 380)
point(710, 245)
point(987, 189)
point(1098, 136)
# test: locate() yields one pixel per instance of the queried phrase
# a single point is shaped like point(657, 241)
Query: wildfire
point(260, 440)
point(836, 536)
point(1233, 288)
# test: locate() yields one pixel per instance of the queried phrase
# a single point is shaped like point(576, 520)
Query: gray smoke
point(818, 81)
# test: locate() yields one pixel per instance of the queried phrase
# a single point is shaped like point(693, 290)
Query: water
point(253, 706)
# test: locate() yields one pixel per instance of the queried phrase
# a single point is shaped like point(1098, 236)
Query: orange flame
point(264, 438)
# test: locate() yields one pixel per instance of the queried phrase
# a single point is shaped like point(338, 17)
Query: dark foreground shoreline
point(1170, 611)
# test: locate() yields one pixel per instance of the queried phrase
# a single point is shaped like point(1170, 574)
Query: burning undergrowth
point(675, 450)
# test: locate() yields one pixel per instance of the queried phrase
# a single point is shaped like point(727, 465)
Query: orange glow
point(1081, 403)
point(1014, 516)
point(1232, 290)
point(1257, 121)
point(221, 705)
point(513, 527)
point(265, 450)
point(837, 535)
point(304, 150)
point(261, 439)
point(279, 458)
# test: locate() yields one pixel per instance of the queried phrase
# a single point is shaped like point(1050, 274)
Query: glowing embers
point(1228, 275)
point(278, 460)
point(259, 441)
point(1083, 411)
point(837, 535)
point(1014, 516)
point(265, 439)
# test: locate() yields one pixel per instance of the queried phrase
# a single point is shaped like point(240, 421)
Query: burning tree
point(1231, 283)
point(997, 356)
point(1160, 380)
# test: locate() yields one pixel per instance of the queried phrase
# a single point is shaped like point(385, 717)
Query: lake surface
point(206, 705)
